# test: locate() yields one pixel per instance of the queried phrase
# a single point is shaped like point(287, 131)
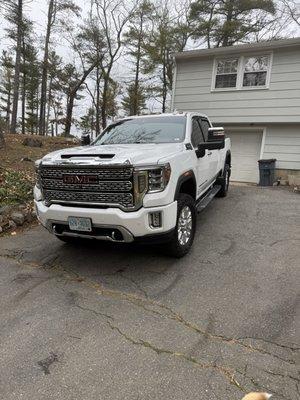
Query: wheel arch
point(186, 184)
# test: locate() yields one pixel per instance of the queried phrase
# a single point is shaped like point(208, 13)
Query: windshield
point(144, 130)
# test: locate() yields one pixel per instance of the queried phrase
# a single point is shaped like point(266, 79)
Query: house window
point(226, 76)
point(242, 72)
point(255, 71)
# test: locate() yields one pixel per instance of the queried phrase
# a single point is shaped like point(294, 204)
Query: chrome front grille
point(109, 185)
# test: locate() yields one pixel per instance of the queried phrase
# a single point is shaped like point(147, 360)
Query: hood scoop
point(102, 156)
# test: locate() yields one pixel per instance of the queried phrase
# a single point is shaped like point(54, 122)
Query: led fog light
point(155, 219)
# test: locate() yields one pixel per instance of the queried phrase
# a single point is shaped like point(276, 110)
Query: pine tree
point(15, 17)
point(134, 101)
point(169, 36)
point(87, 122)
point(226, 22)
point(32, 90)
point(135, 41)
point(6, 87)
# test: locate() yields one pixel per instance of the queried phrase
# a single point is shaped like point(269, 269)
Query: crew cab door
point(212, 155)
point(203, 164)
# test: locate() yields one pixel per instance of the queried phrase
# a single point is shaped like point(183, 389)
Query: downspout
point(174, 85)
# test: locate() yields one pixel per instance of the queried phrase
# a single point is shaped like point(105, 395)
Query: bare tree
point(112, 15)
point(56, 8)
point(293, 10)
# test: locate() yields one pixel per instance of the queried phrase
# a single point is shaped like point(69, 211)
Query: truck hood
point(133, 154)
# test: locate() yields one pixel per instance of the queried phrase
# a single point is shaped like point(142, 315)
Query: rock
point(26, 159)
point(22, 207)
point(33, 214)
point(1, 230)
point(5, 210)
point(18, 218)
point(1, 219)
point(32, 142)
point(28, 216)
point(12, 225)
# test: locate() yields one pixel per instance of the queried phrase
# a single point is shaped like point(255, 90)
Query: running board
point(204, 202)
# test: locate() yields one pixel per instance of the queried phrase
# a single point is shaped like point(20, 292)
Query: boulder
point(12, 225)
point(5, 210)
point(18, 218)
point(32, 142)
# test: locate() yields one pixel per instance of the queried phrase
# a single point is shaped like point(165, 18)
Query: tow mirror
point(215, 141)
point(85, 140)
point(216, 134)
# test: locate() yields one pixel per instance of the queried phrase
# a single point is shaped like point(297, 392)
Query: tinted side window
point(205, 126)
point(196, 136)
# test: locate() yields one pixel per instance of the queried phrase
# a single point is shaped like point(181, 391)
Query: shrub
point(15, 187)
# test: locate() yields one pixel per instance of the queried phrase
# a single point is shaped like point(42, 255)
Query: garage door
point(245, 149)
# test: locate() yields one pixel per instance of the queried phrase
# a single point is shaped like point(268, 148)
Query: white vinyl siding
point(283, 143)
point(279, 103)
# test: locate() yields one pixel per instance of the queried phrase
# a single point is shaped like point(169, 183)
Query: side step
point(204, 201)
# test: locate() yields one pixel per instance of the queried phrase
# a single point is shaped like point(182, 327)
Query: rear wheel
point(223, 181)
point(184, 232)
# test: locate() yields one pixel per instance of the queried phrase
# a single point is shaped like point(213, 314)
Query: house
point(253, 90)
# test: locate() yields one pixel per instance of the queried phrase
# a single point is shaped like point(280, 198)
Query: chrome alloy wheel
point(185, 225)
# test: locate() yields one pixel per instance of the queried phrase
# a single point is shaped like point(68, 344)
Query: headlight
point(158, 178)
point(153, 179)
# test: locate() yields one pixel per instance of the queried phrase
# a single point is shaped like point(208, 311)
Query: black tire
point(175, 247)
point(223, 181)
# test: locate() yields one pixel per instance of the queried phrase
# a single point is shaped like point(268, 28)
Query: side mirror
point(215, 141)
point(216, 134)
point(85, 140)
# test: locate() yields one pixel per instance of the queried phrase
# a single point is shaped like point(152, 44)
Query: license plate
point(80, 224)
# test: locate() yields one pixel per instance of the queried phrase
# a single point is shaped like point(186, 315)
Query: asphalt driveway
point(124, 322)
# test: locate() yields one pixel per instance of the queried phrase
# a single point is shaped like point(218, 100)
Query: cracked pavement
point(100, 321)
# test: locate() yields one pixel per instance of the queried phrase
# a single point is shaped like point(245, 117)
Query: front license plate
point(80, 224)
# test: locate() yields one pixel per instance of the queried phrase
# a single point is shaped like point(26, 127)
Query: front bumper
point(132, 225)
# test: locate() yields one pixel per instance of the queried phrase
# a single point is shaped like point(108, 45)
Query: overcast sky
point(37, 10)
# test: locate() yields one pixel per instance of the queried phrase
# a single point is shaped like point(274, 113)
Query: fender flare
point(186, 176)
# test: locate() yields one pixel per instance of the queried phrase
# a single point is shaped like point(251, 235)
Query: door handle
point(209, 153)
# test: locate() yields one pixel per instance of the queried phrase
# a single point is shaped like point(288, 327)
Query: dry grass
point(17, 176)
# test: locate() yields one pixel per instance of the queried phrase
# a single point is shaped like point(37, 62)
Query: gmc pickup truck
point(143, 179)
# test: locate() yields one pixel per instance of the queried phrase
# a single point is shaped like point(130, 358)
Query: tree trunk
point(70, 103)
point(13, 127)
point(164, 89)
point(69, 114)
point(8, 109)
point(98, 102)
point(48, 106)
point(23, 90)
point(104, 101)
point(225, 41)
point(2, 140)
point(43, 100)
point(137, 71)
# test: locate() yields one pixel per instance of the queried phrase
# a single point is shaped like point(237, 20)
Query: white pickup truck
point(143, 179)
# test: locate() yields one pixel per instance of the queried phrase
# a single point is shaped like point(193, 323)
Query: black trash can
point(85, 139)
point(266, 172)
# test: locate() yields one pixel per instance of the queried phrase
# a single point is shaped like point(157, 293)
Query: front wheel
point(184, 232)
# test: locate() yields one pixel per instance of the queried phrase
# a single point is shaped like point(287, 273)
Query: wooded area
point(119, 56)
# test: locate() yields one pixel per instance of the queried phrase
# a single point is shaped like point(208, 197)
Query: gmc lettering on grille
point(80, 179)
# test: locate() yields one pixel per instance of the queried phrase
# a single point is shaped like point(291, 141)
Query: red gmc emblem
point(80, 179)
